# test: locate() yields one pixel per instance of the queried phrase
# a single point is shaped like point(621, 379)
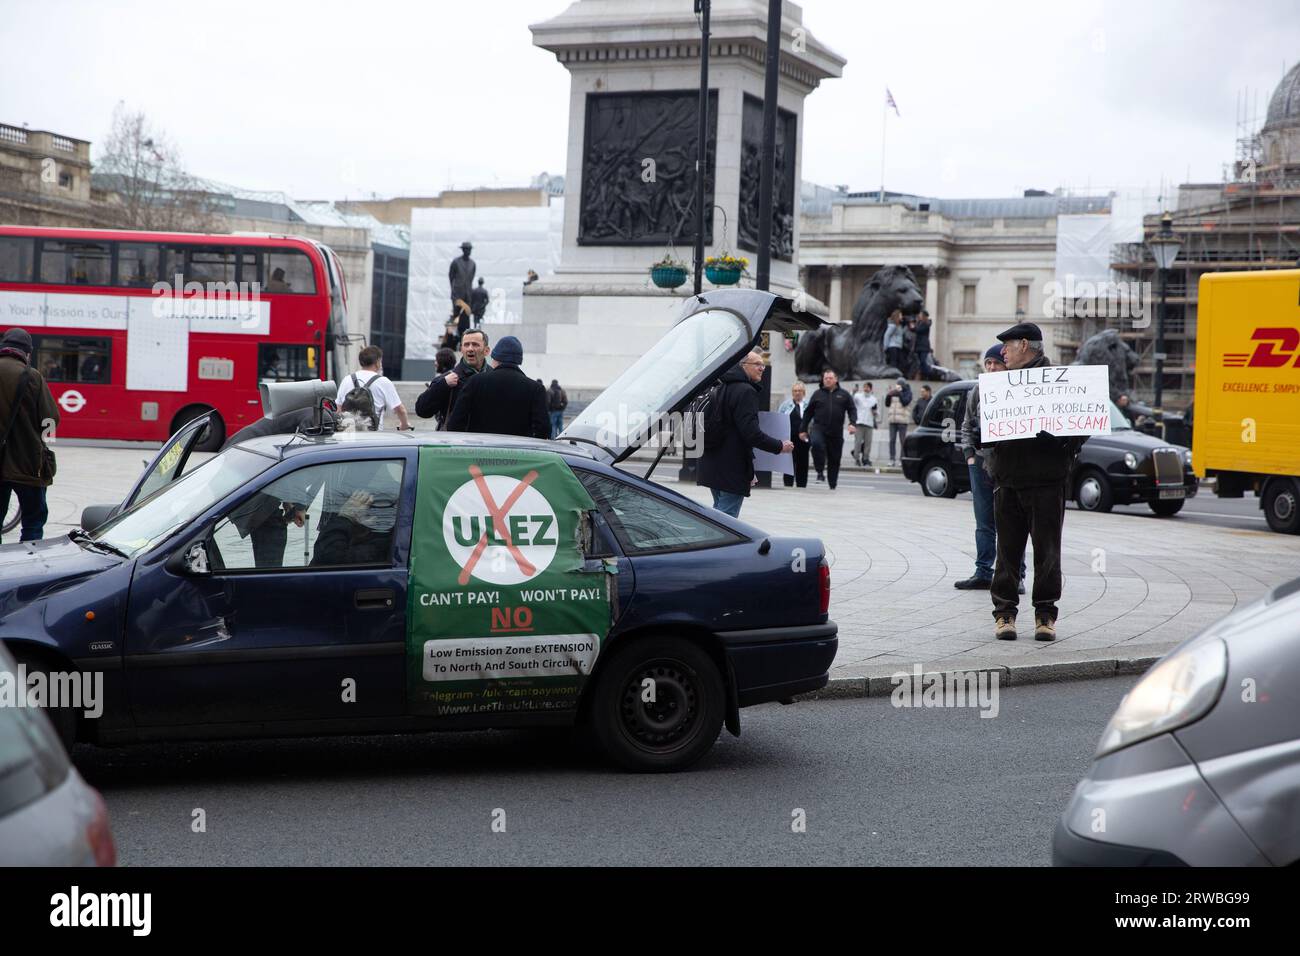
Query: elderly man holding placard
point(1034, 418)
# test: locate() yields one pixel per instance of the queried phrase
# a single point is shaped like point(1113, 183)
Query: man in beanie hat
point(981, 485)
point(507, 402)
point(1029, 492)
point(27, 411)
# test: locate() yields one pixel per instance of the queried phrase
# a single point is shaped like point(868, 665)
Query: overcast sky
point(343, 99)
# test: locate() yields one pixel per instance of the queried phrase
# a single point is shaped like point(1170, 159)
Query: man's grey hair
point(1035, 345)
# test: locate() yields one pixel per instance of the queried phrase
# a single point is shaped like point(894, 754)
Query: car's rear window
point(32, 761)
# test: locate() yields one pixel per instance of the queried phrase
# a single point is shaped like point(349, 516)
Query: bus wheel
point(658, 705)
point(1282, 506)
point(216, 433)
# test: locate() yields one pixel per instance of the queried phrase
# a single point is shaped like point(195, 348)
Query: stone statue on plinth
point(461, 276)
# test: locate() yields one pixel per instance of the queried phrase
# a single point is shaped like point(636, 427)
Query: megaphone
point(281, 397)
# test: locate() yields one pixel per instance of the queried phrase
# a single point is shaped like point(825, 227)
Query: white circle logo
point(72, 401)
point(500, 530)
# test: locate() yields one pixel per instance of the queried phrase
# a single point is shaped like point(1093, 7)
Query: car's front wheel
point(1167, 508)
point(1092, 492)
point(657, 705)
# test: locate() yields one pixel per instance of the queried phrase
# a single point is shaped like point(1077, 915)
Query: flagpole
point(884, 118)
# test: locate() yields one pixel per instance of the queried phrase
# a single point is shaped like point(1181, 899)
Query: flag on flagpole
point(889, 101)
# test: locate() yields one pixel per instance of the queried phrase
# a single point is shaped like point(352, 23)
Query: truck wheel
point(1092, 492)
point(1167, 507)
point(1282, 506)
point(937, 480)
point(63, 719)
point(673, 729)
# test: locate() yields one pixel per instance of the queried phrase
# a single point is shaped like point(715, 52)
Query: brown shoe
point(1044, 628)
point(1004, 628)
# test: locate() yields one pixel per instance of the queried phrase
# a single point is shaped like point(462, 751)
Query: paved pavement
point(1135, 585)
point(877, 785)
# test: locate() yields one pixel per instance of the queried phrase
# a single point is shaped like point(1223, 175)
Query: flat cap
point(1022, 330)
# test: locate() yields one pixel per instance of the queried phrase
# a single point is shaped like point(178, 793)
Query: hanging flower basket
point(668, 273)
point(668, 277)
point(724, 268)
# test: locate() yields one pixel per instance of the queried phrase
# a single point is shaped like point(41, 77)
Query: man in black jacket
point(727, 467)
point(507, 402)
point(823, 426)
point(1029, 479)
point(28, 413)
point(438, 400)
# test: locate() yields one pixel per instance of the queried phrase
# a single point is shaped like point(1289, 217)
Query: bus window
point(67, 358)
point(75, 263)
point(211, 265)
point(139, 265)
point(286, 363)
point(288, 272)
point(16, 259)
point(250, 267)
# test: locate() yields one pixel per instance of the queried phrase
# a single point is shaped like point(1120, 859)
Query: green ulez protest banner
point(501, 616)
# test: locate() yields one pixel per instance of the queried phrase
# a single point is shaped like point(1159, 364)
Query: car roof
point(288, 445)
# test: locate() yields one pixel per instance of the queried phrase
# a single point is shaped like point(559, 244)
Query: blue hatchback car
point(358, 583)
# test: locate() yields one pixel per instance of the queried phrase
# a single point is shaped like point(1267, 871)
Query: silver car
point(49, 816)
point(1200, 765)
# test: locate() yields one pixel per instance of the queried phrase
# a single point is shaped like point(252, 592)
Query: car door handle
point(374, 598)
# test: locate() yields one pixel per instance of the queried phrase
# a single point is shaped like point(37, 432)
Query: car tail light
point(824, 578)
point(100, 837)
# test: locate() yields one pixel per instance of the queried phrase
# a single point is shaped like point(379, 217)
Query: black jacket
point(918, 410)
point(1029, 462)
point(507, 402)
point(439, 398)
point(730, 465)
point(828, 410)
point(22, 455)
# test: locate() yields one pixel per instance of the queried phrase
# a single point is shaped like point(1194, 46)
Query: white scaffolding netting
point(508, 241)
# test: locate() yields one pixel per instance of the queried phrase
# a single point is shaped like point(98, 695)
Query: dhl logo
point(1277, 347)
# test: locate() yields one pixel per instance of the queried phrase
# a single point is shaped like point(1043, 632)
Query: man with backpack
point(731, 433)
point(368, 394)
point(27, 409)
point(556, 403)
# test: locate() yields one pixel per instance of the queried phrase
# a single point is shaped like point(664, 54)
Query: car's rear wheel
point(64, 719)
point(1092, 492)
point(658, 705)
point(937, 480)
point(1167, 508)
point(1282, 507)
point(215, 436)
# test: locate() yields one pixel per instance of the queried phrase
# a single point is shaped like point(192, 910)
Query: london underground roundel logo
point(499, 529)
point(72, 401)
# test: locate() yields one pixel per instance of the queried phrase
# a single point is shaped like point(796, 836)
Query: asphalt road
point(878, 785)
point(1205, 508)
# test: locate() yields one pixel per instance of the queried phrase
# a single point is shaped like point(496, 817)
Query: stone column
point(836, 303)
point(933, 302)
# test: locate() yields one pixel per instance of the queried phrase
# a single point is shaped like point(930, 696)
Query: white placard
point(777, 426)
point(157, 350)
point(1062, 400)
point(493, 658)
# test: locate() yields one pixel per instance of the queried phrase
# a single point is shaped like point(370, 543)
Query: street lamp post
point(701, 142)
point(1164, 249)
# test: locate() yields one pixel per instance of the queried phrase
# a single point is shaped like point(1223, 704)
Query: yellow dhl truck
point(1246, 413)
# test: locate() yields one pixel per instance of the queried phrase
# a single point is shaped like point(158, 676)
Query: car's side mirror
point(192, 559)
point(92, 516)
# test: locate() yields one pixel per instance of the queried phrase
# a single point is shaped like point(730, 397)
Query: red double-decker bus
point(138, 333)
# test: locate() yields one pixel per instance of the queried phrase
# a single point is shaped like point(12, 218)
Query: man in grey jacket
point(981, 486)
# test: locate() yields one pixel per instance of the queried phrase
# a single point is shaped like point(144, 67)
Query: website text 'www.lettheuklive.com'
point(1205, 923)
